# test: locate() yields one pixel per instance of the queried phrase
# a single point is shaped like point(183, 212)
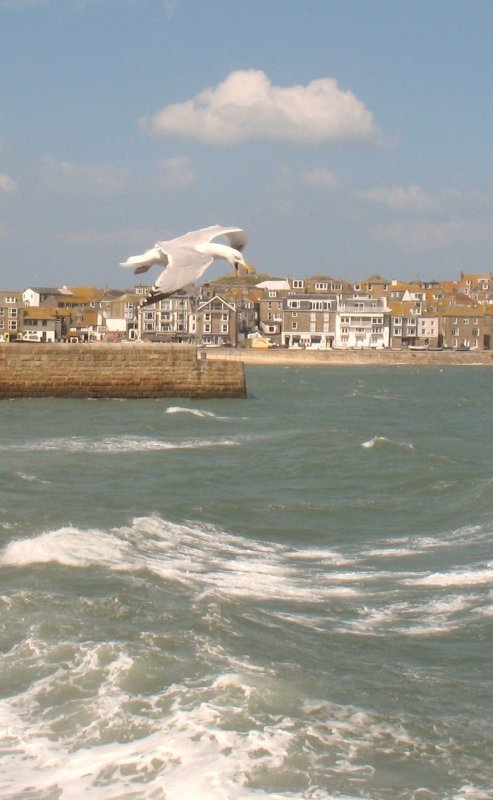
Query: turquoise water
point(288, 596)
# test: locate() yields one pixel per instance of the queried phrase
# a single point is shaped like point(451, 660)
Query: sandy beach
point(280, 357)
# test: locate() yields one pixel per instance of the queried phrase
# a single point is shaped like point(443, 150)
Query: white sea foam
point(70, 547)
point(196, 412)
point(463, 577)
point(384, 440)
point(198, 746)
point(438, 616)
point(200, 557)
point(391, 552)
point(27, 476)
point(221, 738)
point(119, 444)
point(469, 534)
point(321, 556)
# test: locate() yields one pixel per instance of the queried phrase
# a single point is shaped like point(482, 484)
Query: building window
point(294, 326)
point(297, 284)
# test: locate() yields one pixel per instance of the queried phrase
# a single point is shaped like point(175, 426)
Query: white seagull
point(187, 257)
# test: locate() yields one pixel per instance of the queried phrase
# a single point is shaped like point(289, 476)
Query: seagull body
point(187, 257)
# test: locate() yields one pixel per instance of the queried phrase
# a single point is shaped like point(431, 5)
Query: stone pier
point(116, 371)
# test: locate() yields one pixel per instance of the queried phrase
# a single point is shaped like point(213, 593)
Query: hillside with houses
point(317, 312)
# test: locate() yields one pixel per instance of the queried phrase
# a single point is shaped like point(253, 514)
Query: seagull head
point(236, 260)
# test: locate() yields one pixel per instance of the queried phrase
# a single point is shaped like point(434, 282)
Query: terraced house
point(309, 321)
point(362, 322)
point(466, 327)
point(317, 312)
point(216, 322)
point(11, 314)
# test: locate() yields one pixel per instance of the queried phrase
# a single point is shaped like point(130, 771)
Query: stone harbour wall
point(116, 371)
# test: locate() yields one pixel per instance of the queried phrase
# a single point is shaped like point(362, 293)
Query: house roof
point(455, 310)
point(39, 312)
point(376, 278)
point(274, 285)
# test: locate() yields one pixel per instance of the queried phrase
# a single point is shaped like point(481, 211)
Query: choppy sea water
point(288, 596)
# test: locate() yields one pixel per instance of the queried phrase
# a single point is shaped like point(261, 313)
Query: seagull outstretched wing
point(186, 258)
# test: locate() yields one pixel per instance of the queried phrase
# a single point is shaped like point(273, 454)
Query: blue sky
point(347, 137)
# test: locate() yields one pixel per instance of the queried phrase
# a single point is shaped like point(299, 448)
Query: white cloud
point(175, 171)
point(7, 184)
point(114, 239)
point(247, 106)
point(423, 235)
point(401, 198)
point(170, 7)
point(21, 3)
point(320, 178)
point(86, 177)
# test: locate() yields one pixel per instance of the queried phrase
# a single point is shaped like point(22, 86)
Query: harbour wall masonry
point(116, 371)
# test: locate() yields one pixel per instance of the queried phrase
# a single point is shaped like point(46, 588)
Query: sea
point(283, 596)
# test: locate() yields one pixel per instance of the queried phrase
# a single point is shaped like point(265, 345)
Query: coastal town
point(261, 312)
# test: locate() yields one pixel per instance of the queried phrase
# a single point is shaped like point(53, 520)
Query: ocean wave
point(70, 547)
point(203, 558)
point(198, 412)
point(238, 734)
point(461, 577)
point(379, 441)
point(118, 444)
point(185, 704)
point(29, 478)
point(410, 618)
point(399, 546)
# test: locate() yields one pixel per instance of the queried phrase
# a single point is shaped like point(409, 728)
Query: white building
point(362, 322)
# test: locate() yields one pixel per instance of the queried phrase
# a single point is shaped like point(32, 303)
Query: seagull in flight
point(187, 257)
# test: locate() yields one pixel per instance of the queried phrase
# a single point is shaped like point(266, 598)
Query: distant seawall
point(358, 357)
point(115, 371)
